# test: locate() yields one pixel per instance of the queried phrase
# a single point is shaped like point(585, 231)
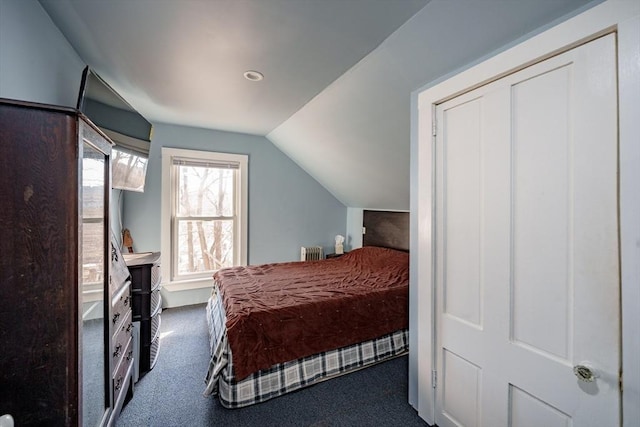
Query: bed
point(276, 328)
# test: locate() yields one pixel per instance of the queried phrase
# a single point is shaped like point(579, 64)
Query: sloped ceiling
point(354, 137)
point(338, 73)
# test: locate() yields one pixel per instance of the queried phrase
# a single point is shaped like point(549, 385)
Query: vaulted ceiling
point(338, 74)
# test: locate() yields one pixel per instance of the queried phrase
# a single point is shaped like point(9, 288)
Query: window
point(128, 170)
point(93, 203)
point(204, 214)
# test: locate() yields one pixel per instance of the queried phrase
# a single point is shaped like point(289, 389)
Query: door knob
point(584, 373)
point(6, 421)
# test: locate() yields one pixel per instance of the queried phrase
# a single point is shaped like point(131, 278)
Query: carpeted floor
point(171, 393)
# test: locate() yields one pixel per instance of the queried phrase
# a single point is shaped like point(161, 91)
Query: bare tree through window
point(205, 217)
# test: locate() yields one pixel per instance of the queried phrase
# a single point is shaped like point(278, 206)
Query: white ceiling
point(182, 61)
point(338, 73)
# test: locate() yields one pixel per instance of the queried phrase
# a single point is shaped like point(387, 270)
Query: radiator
point(311, 253)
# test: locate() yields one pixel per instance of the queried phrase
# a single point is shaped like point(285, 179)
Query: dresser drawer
point(146, 304)
point(122, 369)
point(145, 278)
point(156, 277)
point(150, 329)
point(150, 343)
point(154, 350)
point(121, 338)
point(121, 304)
point(155, 327)
point(156, 302)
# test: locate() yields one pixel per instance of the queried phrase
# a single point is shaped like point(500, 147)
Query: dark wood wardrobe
point(60, 363)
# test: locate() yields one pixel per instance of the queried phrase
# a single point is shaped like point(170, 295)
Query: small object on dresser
point(127, 240)
point(339, 242)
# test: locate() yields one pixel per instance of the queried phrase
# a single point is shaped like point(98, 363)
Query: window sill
point(186, 285)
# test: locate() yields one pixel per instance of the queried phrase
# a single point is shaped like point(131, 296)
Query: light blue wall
point(287, 207)
point(36, 61)
point(354, 229)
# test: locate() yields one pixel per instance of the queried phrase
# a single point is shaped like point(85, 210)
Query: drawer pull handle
point(118, 349)
point(116, 317)
point(129, 355)
point(126, 301)
point(119, 383)
point(129, 327)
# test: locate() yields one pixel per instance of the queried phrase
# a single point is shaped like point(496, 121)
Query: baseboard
point(179, 298)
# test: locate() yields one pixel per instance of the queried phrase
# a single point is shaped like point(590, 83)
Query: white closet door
point(527, 274)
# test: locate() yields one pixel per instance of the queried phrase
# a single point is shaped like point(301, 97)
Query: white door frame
point(622, 16)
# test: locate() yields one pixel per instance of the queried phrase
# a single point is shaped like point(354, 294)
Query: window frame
point(168, 213)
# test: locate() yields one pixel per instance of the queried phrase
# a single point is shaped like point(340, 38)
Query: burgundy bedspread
point(285, 311)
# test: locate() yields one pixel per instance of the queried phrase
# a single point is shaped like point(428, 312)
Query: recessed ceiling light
point(254, 76)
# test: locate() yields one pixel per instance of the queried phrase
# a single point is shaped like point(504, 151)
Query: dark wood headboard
point(386, 229)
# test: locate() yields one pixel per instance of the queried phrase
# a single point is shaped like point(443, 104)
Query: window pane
point(92, 253)
point(93, 181)
point(205, 191)
point(204, 246)
point(128, 171)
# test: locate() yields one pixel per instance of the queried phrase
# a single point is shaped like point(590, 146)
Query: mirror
point(94, 387)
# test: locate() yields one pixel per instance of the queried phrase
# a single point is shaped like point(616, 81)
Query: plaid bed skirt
point(289, 376)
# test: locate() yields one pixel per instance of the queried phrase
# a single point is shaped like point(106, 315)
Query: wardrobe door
point(39, 364)
point(93, 288)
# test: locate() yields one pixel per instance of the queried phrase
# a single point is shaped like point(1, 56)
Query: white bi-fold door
point(527, 258)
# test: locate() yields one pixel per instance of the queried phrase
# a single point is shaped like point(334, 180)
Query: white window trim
point(165, 222)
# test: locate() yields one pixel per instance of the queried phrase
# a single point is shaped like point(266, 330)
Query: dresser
point(58, 302)
point(147, 306)
point(122, 343)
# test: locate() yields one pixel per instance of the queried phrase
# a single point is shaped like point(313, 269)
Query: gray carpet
point(171, 393)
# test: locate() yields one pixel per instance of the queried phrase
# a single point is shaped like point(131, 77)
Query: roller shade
point(205, 164)
point(135, 146)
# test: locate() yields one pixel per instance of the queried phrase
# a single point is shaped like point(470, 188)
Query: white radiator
point(311, 253)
